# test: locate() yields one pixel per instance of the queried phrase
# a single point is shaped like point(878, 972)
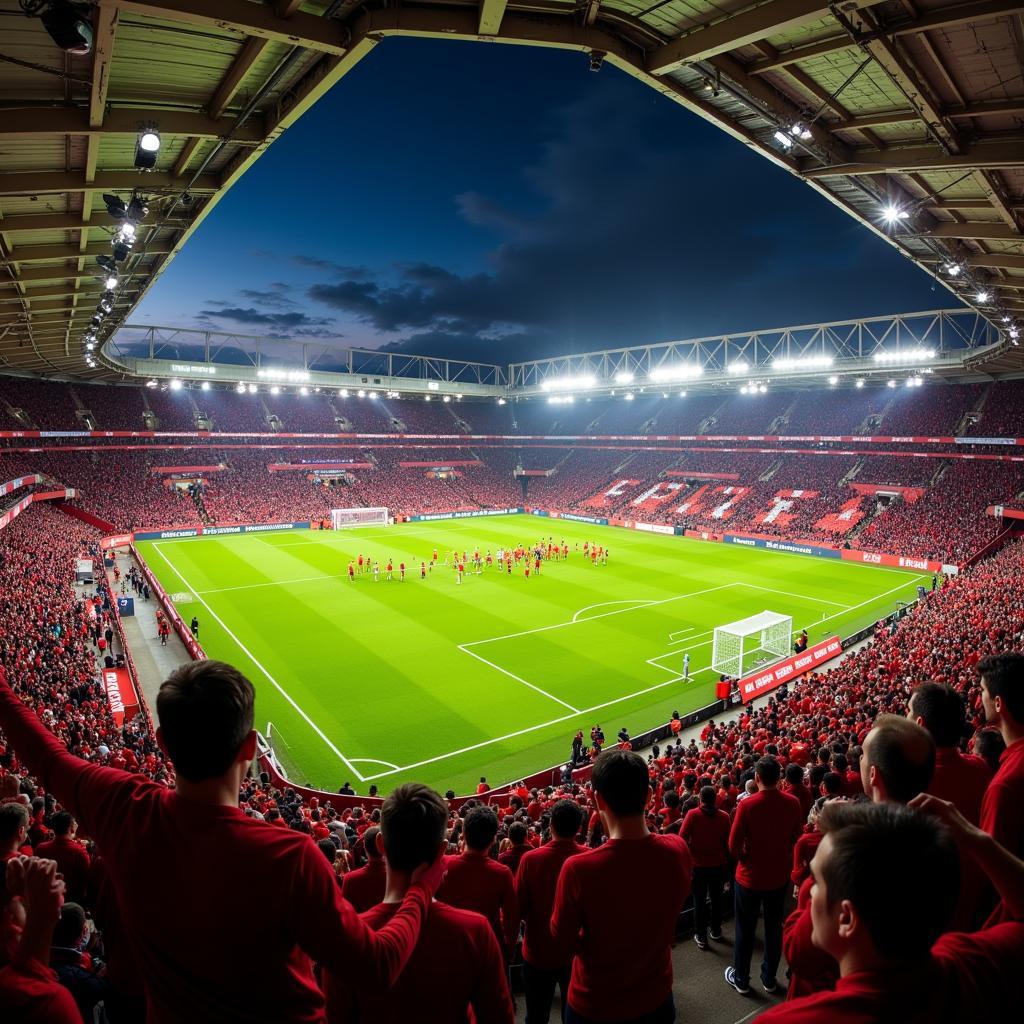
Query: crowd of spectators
point(949, 523)
point(930, 411)
point(49, 405)
point(113, 408)
point(740, 808)
point(899, 470)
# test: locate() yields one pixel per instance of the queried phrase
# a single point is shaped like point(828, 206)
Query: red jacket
point(536, 881)
point(764, 832)
point(475, 882)
point(707, 835)
point(364, 887)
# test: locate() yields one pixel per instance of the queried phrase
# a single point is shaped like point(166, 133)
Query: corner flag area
point(425, 679)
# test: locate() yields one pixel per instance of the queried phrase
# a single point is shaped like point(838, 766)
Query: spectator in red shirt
point(190, 854)
point(880, 900)
point(364, 887)
point(70, 855)
point(476, 882)
point(516, 848)
point(898, 761)
point(457, 965)
point(14, 820)
point(795, 786)
point(544, 966)
point(706, 831)
point(764, 832)
point(620, 973)
point(29, 990)
point(482, 786)
point(1002, 696)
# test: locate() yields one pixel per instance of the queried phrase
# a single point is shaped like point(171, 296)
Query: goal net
point(344, 518)
point(280, 753)
point(740, 647)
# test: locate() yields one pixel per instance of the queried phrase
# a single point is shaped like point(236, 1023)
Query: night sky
point(504, 203)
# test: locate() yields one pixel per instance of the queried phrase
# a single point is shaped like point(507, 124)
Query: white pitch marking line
point(680, 632)
point(534, 728)
point(786, 593)
point(599, 707)
point(374, 760)
point(511, 675)
point(605, 604)
point(245, 650)
point(273, 583)
point(592, 618)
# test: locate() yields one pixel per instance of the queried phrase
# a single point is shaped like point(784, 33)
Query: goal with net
point(742, 646)
point(345, 518)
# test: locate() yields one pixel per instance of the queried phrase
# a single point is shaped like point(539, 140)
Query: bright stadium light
point(176, 385)
point(953, 269)
point(360, 393)
point(572, 382)
point(859, 383)
point(740, 366)
point(110, 283)
point(833, 380)
point(343, 392)
point(151, 383)
point(624, 377)
point(682, 394)
point(675, 371)
point(275, 390)
point(374, 395)
point(893, 214)
point(629, 397)
point(305, 391)
point(501, 401)
point(763, 389)
point(240, 388)
point(205, 386)
point(802, 363)
point(744, 390)
point(906, 355)
point(146, 148)
point(783, 139)
point(890, 383)
point(983, 296)
point(447, 398)
point(252, 389)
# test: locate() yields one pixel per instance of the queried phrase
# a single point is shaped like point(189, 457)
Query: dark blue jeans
point(664, 1014)
point(748, 910)
point(539, 989)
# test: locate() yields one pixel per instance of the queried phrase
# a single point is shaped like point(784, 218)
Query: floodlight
point(624, 377)
point(343, 392)
point(783, 139)
point(151, 383)
point(833, 380)
point(137, 209)
point(682, 394)
point(447, 398)
point(146, 149)
point(426, 398)
point(205, 386)
point(175, 385)
point(740, 366)
point(801, 363)
point(629, 397)
point(800, 131)
point(890, 383)
point(126, 232)
point(240, 388)
point(983, 296)
point(763, 389)
point(744, 390)
point(859, 383)
point(675, 372)
point(305, 391)
point(891, 213)
point(501, 401)
point(115, 206)
point(568, 383)
point(67, 23)
point(275, 390)
point(252, 389)
point(360, 393)
point(111, 282)
point(953, 269)
point(906, 355)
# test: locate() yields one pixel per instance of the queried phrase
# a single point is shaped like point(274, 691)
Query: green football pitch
point(387, 681)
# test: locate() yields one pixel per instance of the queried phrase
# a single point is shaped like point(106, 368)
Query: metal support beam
point(491, 13)
point(990, 185)
point(309, 31)
point(44, 253)
point(39, 183)
point(921, 158)
point(975, 12)
point(235, 75)
point(32, 122)
point(975, 230)
point(735, 31)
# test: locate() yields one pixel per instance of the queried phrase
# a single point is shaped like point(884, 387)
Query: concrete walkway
point(153, 662)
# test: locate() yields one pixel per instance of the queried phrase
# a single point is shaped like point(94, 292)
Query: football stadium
point(476, 542)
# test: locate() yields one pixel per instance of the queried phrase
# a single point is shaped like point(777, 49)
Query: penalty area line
point(534, 728)
point(245, 650)
point(511, 675)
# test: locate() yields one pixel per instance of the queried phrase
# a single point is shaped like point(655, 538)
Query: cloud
point(331, 267)
point(291, 322)
point(275, 298)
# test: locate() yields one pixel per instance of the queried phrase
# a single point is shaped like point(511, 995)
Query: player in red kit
point(526, 571)
point(360, 563)
point(351, 572)
point(459, 569)
point(536, 566)
point(391, 570)
point(423, 570)
point(401, 570)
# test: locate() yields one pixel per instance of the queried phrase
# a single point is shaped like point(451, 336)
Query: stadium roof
point(915, 108)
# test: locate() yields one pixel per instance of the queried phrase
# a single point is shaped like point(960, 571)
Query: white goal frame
point(348, 518)
point(759, 638)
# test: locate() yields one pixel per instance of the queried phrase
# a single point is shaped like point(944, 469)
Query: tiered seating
point(230, 411)
point(930, 411)
point(113, 408)
point(1003, 412)
point(49, 404)
point(834, 412)
point(421, 417)
point(899, 470)
point(752, 414)
point(303, 414)
point(173, 409)
point(949, 523)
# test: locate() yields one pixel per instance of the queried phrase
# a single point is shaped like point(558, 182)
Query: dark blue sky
point(504, 203)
